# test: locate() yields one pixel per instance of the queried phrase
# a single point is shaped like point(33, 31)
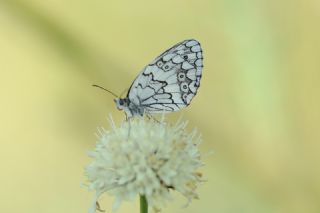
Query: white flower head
point(145, 157)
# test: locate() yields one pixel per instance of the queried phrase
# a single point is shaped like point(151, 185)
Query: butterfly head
point(122, 103)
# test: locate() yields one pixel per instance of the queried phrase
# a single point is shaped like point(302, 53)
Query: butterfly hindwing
point(170, 81)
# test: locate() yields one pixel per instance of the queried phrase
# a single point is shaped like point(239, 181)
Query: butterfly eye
point(184, 87)
point(121, 102)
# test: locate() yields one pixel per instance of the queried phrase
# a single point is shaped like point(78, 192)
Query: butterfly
point(167, 84)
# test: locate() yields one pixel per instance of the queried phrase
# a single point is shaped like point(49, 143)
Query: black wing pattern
point(170, 81)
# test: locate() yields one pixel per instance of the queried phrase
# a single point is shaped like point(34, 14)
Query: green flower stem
point(143, 204)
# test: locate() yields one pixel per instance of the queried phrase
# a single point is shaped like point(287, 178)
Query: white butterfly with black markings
point(167, 84)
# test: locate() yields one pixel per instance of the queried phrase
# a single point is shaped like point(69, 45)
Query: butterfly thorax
point(129, 107)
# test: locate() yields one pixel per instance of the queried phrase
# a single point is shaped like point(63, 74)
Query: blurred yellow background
point(257, 107)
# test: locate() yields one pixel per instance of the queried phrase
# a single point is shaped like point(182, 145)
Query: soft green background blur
point(257, 107)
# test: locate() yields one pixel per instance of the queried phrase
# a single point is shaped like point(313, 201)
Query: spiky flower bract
point(145, 157)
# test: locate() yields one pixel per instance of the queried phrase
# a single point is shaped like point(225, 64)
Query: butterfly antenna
point(94, 85)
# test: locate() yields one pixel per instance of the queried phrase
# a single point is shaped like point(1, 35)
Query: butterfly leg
point(129, 127)
point(98, 208)
point(149, 116)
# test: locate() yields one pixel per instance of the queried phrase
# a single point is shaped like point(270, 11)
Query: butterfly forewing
point(170, 81)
